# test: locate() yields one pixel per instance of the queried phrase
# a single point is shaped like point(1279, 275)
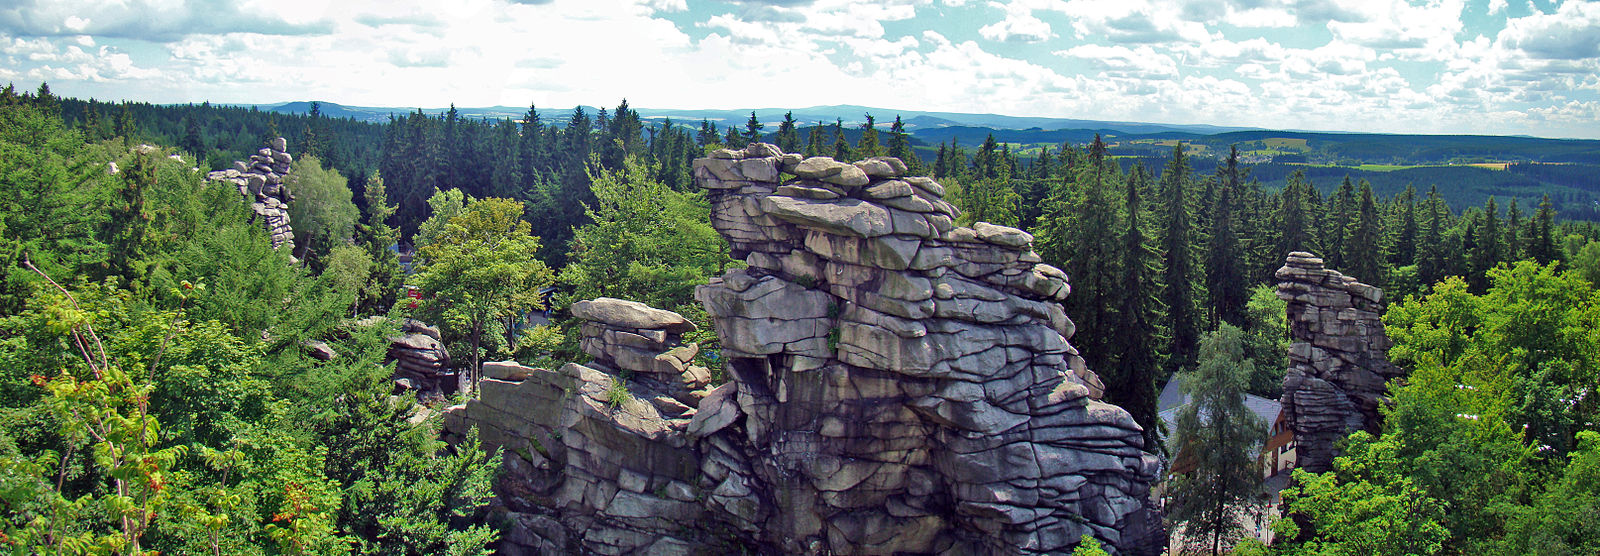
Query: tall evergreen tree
point(900, 147)
point(841, 146)
point(868, 145)
point(1340, 220)
point(708, 134)
point(1294, 223)
point(1224, 264)
point(752, 131)
point(788, 136)
point(1085, 245)
point(1139, 317)
point(814, 141)
point(1404, 249)
point(1488, 248)
point(1514, 247)
point(1177, 245)
point(1541, 239)
point(1363, 256)
point(1432, 248)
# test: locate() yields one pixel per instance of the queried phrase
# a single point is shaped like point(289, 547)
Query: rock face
point(1338, 362)
point(421, 361)
point(261, 180)
point(897, 384)
point(598, 458)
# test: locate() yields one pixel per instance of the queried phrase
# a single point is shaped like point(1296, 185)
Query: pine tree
point(752, 131)
point(733, 139)
point(986, 162)
point(814, 141)
point(1541, 239)
point(1340, 221)
point(1083, 243)
point(1139, 317)
point(1363, 256)
point(1218, 439)
point(1432, 263)
point(900, 147)
point(1404, 251)
point(1224, 263)
point(841, 146)
point(312, 143)
point(788, 136)
point(1514, 247)
point(1487, 248)
point(868, 145)
point(1177, 245)
point(192, 143)
point(708, 134)
point(1294, 226)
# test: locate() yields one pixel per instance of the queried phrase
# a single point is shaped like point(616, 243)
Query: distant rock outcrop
point(898, 384)
point(1338, 361)
point(261, 180)
point(421, 361)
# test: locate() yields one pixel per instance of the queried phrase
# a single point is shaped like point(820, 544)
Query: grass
point(1284, 143)
point(617, 394)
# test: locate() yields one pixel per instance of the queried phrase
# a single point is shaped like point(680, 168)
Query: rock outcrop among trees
point(261, 180)
point(896, 384)
point(1338, 361)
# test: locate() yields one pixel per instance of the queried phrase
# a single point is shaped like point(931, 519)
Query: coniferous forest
point(173, 384)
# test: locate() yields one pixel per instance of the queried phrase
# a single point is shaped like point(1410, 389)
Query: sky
point(1502, 67)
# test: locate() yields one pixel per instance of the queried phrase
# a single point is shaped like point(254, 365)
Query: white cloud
point(1498, 6)
point(1019, 25)
point(1121, 61)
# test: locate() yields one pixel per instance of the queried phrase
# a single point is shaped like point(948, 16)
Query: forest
point(160, 392)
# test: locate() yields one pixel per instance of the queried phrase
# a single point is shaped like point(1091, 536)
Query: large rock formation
point(1338, 362)
point(898, 384)
point(261, 180)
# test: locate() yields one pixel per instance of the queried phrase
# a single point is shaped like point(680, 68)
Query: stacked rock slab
point(1338, 362)
point(261, 181)
point(901, 384)
point(597, 457)
point(421, 361)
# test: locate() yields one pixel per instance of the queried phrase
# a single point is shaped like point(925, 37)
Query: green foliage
point(617, 393)
point(1366, 505)
point(1266, 340)
point(1088, 546)
point(323, 212)
point(480, 271)
point(989, 200)
point(1216, 476)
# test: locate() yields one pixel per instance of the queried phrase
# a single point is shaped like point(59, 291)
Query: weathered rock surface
point(1338, 362)
point(898, 385)
point(421, 361)
point(261, 180)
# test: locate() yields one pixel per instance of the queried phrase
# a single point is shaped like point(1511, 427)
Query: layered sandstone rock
point(421, 361)
point(1338, 361)
point(261, 180)
point(898, 384)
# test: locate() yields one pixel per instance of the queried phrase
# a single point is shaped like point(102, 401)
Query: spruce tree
point(707, 135)
point(1139, 318)
point(1224, 263)
point(868, 145)
point(1542, 241)
point(841, 145)
point(1294, 226)
point(752, 131)
point(814, 141)
point(1340, 221)
point(1514, 247)
point(1177, 245)
point(788, 136)
point(1488, 248)
point(1085, 246)
point(900, 147)
point(1432, 249)
point(1363, 256)
point(1404, 249)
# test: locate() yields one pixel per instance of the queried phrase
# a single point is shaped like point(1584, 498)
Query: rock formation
point(261, 180)
point(1338, 362)
point(897, 384)
point(421, 361)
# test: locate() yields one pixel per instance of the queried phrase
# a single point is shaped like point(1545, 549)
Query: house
point(1277, 448)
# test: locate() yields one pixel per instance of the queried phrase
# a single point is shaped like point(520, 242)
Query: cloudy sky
point(1440, 66)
